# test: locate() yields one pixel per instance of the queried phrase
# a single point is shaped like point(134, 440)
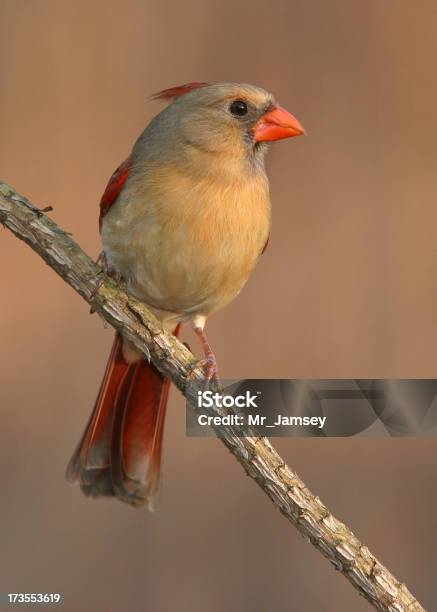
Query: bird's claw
point(209, 367)
point(105, 273)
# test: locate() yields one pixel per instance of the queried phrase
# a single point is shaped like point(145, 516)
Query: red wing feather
point(178, 91)
point(113, 188)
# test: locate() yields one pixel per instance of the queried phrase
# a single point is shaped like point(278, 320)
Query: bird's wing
point(114, 187)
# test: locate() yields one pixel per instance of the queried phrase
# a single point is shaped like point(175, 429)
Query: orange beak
point(276, 125)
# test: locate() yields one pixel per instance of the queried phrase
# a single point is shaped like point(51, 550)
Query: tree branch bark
point(258, 458)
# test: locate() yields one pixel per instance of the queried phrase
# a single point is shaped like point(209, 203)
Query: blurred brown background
point(347, 288)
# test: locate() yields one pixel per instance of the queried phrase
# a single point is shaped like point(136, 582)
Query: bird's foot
point(209, 363)
point(209, 367)
point(104, 274)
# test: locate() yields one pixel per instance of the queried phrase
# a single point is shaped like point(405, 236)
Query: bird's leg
point(209, 363)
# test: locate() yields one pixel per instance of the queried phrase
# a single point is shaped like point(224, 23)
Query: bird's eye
point(238, 108)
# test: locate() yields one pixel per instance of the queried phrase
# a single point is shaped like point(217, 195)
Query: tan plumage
point(192, 243)
point(185, 220)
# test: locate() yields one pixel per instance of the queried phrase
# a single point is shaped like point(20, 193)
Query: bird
point(183, 221)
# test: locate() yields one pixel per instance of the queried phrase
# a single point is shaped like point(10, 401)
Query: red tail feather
point(120, 451)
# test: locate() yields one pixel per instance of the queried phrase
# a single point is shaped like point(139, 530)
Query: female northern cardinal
point(183, 221)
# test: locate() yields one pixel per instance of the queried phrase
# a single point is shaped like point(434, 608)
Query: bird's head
point(231, 119)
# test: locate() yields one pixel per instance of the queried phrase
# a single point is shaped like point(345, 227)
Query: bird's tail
point(120, 451)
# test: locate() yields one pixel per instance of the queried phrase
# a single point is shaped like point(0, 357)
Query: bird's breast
point(188, 246)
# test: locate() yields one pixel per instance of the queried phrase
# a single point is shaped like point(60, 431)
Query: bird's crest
point(176, 92)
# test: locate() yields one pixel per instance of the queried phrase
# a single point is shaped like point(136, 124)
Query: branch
point(259, 459)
